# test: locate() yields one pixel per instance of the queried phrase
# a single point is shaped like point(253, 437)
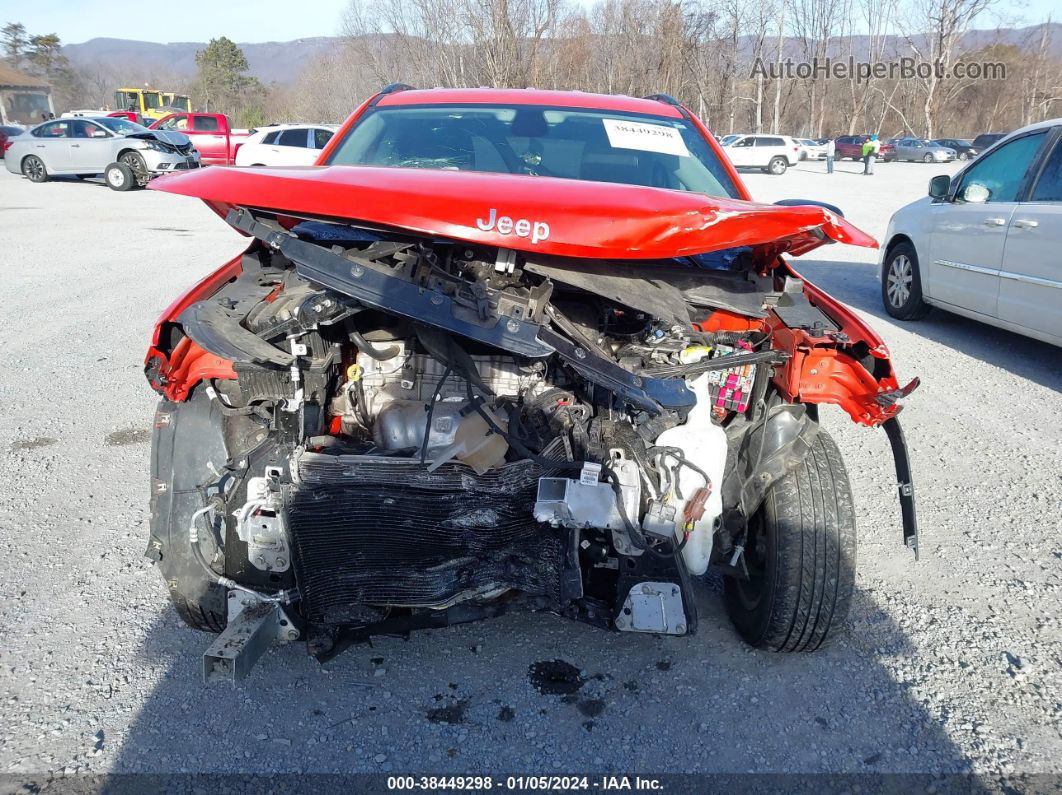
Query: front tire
point(120, 177)
point(801, 555)
point(777, 166)
point(136, 164)
point(187, 439)
point(901, 284)
point(34, 170)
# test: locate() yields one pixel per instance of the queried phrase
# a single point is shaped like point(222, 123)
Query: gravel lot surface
point(951, 664)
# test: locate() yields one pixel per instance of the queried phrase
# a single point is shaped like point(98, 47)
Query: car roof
point(1040, 125)
point(529, 96)
point(69, 119)
point(285, 125)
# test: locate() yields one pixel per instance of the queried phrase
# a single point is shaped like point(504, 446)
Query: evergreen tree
point(223, 82)
point(13, 42)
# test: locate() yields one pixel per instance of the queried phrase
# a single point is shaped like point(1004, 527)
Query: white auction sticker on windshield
point(623, 134)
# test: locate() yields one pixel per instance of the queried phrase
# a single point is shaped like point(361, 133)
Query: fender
point(850, 368)
point(174, 364)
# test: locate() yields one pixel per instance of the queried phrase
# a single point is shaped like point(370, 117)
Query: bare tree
point(815, 23)
point(1042, 77)
point(933, 31)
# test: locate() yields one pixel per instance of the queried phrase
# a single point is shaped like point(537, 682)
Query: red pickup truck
point(211, 134)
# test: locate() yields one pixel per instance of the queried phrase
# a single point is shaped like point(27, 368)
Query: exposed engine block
point(409, 376)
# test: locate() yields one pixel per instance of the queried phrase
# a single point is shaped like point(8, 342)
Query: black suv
point(964, 150)
point(985, 140)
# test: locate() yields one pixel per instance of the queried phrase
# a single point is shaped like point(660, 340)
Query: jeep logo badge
point(536, 230)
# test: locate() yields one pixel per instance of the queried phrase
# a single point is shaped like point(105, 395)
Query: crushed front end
point(367, 429)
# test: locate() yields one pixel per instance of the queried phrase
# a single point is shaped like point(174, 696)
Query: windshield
point(179, 102)
point(729, 139)
point(152, 100)
point(120, 125)
point(535, 141)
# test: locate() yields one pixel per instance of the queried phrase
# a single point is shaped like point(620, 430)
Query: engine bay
point(419, 426)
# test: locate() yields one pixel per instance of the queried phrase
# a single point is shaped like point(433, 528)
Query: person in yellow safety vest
point(871, 147)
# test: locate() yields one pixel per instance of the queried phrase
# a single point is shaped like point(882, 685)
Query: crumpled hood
point(562, 217)
point(166, 136)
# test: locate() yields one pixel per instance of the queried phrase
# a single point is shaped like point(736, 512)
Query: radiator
point(383, 531)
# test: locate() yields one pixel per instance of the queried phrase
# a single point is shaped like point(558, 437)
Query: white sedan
point(285, 145)
point(985, 243)
point(811, 150)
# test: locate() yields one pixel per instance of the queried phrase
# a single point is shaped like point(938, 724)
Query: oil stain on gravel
point(452, 713)
point(130, 436)
point(35, 443)
point(555, 677)
point(591, 707)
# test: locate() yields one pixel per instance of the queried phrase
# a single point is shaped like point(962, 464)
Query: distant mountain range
point(271, 61)
point(282, 61)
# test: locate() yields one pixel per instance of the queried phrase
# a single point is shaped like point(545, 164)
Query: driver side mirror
point(939, 186)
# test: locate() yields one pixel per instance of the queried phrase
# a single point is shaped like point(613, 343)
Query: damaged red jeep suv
point(501, 347)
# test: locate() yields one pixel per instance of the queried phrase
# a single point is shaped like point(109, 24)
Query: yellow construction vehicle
point(150, 102)
point(178, 102)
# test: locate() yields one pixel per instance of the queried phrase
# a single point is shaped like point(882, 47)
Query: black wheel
point(34, 170)
point(777, 166)
point(187, 440)
point(801, 556)
point(136, 164)
point(120, 177)
point(901, 283)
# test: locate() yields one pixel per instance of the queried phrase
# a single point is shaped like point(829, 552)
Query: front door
point(90, 147)
point(967, 234)
point(741, 151)
point(209, 139)
point(1030, 286)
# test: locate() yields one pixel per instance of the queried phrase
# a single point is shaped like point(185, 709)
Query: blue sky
point(185, 20)
point(263, 20)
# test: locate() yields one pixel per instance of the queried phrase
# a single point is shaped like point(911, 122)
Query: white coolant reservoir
point(704, 445)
